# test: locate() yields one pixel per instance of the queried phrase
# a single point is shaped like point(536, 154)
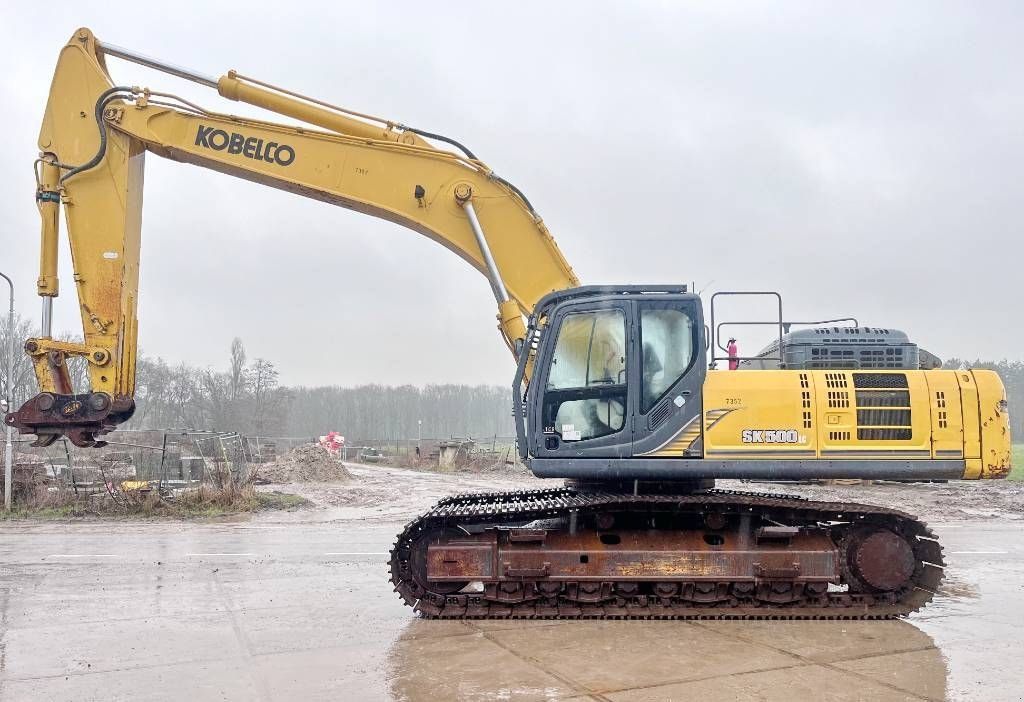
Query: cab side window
point(668, 341)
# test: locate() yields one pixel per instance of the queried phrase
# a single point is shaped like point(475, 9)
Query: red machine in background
point(333, 442)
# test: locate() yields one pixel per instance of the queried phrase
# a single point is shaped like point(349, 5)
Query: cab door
point(672, 365)
point(586, 407)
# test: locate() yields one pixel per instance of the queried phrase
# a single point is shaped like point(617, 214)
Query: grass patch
point(1017, 463)
point(279, 500)
point(48, 513)
point(203, 503)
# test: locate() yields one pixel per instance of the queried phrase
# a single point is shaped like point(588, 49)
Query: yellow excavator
point(616, 389)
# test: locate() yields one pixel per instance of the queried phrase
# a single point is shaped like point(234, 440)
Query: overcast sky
point(862, 159)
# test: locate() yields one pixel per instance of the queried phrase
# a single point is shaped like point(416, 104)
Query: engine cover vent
point(853, 348)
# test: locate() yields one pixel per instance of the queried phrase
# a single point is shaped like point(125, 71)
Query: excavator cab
point(616, 372)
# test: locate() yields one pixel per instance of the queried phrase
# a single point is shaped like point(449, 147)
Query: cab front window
point(585, 394)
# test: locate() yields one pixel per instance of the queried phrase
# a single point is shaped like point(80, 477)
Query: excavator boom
point(93, 143)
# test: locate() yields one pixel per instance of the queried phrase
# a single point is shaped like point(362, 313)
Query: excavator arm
point(93, 143)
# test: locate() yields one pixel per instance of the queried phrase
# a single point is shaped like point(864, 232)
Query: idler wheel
point(881, 559)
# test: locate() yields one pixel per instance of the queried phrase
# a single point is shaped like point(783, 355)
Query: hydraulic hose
point(101, 104)
point(470, 154)
point(439, 137)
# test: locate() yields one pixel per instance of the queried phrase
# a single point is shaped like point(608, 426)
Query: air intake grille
point(883, 417)
point(880, 380)
point(883, 398)
point(835, 380)
point(660, 414)
point(883, 407)
point(887, 434)
point(805, 401)
point(838, 399)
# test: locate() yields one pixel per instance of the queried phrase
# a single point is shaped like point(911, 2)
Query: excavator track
point(865, 546)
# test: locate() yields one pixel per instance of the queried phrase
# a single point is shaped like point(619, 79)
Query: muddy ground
point(374, 487)
point(388, 491)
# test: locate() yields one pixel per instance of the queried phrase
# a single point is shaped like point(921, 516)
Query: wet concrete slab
point(808, 682)
point(298, 606)
point(921, 672)
point(827, 642)
point(614, 655)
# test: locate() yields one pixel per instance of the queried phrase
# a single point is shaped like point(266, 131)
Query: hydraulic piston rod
point(48, 202)
point(497, 284)
point(236, 87)
point(135, 57)
point(510, 318)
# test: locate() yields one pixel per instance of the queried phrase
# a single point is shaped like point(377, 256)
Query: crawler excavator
point(615, 390)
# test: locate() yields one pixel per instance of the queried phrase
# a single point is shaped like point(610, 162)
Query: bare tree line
point(388, 413)
point(247, 397)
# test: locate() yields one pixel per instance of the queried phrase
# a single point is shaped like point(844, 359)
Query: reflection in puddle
point(770, 660)
point(957, 599)
point(953, 586)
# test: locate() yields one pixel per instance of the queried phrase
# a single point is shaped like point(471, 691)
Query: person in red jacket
point(734, 360)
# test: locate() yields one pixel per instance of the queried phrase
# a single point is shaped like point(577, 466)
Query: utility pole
point(419, 439)
point(9, 398)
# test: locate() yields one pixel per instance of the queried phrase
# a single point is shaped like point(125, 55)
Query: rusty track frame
point(612, 601)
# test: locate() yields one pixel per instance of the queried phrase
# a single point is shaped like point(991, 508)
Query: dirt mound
point(305, 464)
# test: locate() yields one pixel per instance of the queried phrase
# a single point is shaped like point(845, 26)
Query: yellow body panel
point(994, 420)
point(947, 425)
point(971, 427)
point(744, 401)
point(816, 414)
